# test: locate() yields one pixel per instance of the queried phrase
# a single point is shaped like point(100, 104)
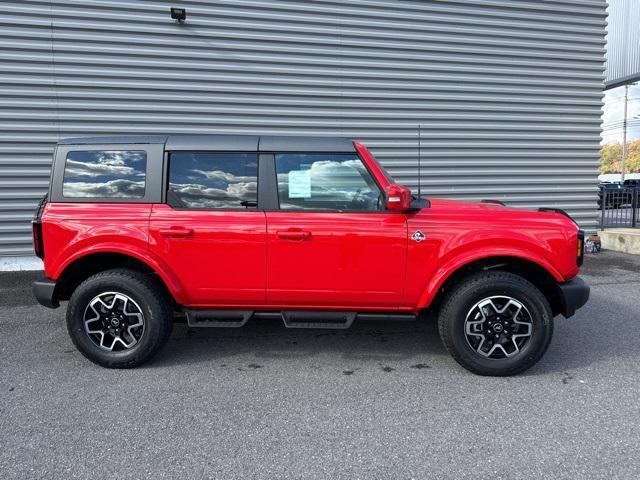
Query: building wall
point(508, 93)
point(623, 42)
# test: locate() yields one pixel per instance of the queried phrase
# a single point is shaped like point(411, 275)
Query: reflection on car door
point(210, 231)
point(330, 244)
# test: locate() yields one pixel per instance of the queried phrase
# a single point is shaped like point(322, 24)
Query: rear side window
point(105, 174)
point(216, 181)
point(325, 181)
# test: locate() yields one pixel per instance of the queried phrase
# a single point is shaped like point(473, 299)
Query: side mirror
point(398, 198)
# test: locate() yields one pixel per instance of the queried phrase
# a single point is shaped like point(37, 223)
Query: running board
point(291, 319)
point(395, 317)
point(313, 319)
point(218, 318)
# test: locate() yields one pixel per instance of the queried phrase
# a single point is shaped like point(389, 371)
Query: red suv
point(220, 229)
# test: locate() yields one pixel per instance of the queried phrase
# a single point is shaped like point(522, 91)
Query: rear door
point(210, 230)
point(330, 243)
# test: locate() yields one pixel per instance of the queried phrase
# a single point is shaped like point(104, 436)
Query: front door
point(210, 231)
point(330, 244)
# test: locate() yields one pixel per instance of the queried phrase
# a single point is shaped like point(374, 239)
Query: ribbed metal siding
point(623, 41)
point(508, 92)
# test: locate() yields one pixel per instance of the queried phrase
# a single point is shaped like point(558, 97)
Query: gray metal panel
point(623, 42)
point(231, 143)
point(305, 144)
point(508, 92)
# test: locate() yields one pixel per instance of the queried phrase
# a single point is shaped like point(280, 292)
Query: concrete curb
point(20, 264)
point(626, 240)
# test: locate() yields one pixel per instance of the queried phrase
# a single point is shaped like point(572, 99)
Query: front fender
point(458, 260)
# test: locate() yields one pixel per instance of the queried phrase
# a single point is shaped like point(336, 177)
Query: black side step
point(396, 317)
point(310, 319)
point(291, 319)
point(218, 318)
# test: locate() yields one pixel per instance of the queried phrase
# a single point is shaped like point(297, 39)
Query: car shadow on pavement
point(378, 341)
point(605, 330)
point(577, 343)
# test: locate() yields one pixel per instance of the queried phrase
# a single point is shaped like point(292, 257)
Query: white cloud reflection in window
point(338, 182)
point(105, 174)
point(207, 180)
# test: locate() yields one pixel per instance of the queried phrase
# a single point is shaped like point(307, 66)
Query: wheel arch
point(83, 265)
point(545, 279)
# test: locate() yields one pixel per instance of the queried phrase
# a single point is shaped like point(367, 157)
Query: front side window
point(105, 174)
point(325, 181)
point(208, 180)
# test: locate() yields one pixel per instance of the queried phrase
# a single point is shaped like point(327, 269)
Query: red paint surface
point(288, 260)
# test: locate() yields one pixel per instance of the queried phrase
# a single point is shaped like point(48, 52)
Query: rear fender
point(145, 256)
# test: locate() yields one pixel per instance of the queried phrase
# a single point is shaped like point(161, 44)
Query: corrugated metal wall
point(623, 41)
point(508, 92)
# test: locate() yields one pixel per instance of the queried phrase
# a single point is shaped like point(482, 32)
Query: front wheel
point(119, 318)
point(496, 323)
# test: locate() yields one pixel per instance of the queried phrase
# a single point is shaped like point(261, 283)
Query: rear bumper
point(44, 291)
point(573, 295)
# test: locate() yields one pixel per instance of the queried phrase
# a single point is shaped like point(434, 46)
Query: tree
point(611, 158)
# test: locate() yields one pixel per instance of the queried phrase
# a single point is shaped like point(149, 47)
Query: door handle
point(176, 232)
point(294, 234)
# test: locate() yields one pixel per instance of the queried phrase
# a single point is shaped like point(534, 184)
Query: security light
point(179, 14)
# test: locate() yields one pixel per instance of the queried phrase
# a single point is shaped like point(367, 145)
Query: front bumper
point(44, 291)
point(573, 295)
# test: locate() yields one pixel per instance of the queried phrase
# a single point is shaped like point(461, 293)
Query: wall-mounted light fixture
point(179, 14)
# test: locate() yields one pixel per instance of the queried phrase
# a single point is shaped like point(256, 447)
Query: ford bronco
point(219, 229)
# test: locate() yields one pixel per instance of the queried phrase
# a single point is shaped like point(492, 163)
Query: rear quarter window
point(117, 174)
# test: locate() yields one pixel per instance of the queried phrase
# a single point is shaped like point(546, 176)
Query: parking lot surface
point(382, 400)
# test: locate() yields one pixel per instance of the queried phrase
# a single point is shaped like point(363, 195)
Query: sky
point(612, 117)
point(613, 113)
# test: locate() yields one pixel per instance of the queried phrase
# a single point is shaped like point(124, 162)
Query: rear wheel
point(496, 323)
point(119, 318)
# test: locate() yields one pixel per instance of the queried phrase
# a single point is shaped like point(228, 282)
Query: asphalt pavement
point(382, 400)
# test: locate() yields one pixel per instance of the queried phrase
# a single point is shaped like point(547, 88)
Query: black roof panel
point(305, 144)
point(237, 143)
point(113, 139)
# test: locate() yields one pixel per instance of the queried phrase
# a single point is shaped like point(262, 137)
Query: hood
point(464, 205)
point(457, 210)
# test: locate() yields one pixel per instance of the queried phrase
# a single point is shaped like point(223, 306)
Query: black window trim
point(165, 181)
point(153, 174)
point(277, 208)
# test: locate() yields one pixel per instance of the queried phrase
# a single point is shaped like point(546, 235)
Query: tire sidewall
point(151, 311)
point(542, 329)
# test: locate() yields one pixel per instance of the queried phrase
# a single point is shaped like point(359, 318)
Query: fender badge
point(418, 236)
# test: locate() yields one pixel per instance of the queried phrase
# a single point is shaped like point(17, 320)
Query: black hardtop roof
point(238, 143)
point(122, 139)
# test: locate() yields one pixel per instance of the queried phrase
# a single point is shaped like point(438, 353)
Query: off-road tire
point(149, 296)
point(474, 288)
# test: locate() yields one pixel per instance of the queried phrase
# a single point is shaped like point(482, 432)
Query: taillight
point(580, 252)
point(38, 247)
point(36, 226)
